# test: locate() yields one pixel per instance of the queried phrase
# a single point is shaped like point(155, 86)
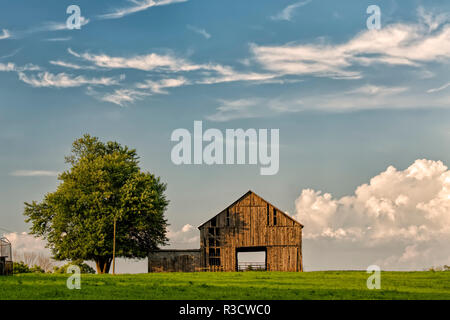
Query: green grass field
point(242, 285)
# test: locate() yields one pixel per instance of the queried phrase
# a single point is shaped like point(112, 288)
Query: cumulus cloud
point(27, 243)
point(286, 13)
point(64, 80)
point(137, 6)
point(399, 44)
point(185, 238)
point(399, 220)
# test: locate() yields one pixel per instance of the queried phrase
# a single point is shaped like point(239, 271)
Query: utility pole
point(114, 247)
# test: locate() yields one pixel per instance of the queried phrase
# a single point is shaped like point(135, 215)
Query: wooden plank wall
point(173, 261)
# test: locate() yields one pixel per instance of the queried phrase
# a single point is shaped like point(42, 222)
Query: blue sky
point(349, 102)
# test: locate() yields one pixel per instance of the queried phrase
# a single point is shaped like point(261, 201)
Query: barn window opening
point(213, 222)
point(211, 231)
point(214, 256)
point(228, 217)
point(251, 261)
point(211, 241)
point(268, 215)
point(274, 216)
point(214, 261)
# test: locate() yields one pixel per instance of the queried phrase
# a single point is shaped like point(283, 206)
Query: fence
point(252, 266)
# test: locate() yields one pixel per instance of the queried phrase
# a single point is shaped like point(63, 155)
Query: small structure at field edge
point(6, 264)
point(250, 224)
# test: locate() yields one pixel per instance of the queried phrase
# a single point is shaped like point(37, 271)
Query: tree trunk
point(103, 264)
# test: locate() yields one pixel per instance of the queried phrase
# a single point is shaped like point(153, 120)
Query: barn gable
point(248, 199)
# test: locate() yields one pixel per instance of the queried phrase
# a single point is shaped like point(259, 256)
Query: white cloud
point(63, 80)
point(137, 6)
point(58, 39)
point(445, 86)
point(228, 74)
point(397, 44)
point(170, 63)
point(27, 243)
point(185, 238)
point(34, 173)
point(200, 31)
point(159, 86)
point(365, 97)
point(373, 90)
point(12, 67)
point(239, 109)
point(122, 97)
point(5, 34)
point(400, 219)
point(69, 65)
point(147, 62)
point(57, 26)
point(286, 13)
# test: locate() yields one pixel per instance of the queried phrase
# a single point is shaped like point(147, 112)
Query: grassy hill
point(242, 285)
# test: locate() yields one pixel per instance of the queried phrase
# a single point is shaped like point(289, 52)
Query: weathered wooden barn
point(250, 224)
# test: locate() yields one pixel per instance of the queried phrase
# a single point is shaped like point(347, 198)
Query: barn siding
point(174, 261)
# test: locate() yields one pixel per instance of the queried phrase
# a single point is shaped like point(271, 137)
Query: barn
point(249, 225)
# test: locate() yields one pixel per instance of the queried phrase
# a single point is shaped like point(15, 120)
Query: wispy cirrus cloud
point(57, 26)
point(200, 31)
point(398, 44)
point(70, 65)
point(161, 85)
point(286, 13)
point(445, 86)
point(122, 97)
point(147, 62)
point(64, 80)
point(365, 97)
point(136, 6)
point(34, 173)
point(12, 67)
point(5, 34)
point(138, 91)
point(58, 39)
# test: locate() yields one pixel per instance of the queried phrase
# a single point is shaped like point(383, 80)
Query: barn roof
point(245, 195)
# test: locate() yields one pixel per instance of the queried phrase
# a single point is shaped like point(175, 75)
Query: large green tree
point(104, 183)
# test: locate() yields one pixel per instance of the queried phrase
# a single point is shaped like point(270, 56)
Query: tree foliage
point(84, 268)
point(103, 183)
